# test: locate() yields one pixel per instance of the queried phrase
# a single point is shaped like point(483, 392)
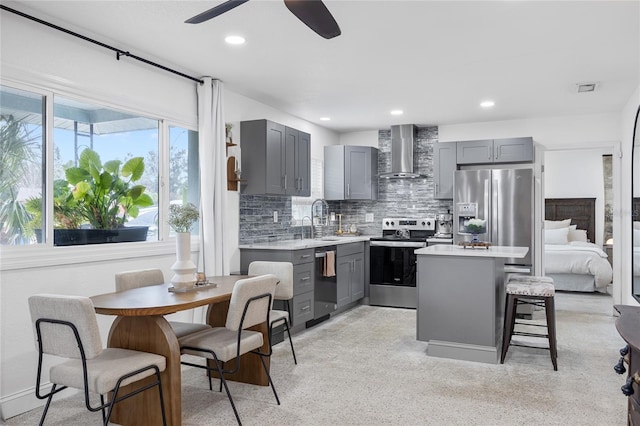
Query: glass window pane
point(184, 176)
point(21, 166)
point(106, 168)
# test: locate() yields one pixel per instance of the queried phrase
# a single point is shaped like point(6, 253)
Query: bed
point(571, 258)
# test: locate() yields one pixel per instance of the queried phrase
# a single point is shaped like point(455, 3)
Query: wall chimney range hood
point(402, 140)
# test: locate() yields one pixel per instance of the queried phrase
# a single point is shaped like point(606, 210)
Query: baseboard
point(20, 402)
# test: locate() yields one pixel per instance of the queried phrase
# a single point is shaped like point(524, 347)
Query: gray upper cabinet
point(444, 164)
point(508, 150)
point(513, 150)
point(350, 172)
point(474, 152)
point(276, 159)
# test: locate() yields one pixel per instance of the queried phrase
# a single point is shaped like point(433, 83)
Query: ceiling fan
point(313, 13)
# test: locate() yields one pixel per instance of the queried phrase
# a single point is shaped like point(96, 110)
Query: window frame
point(46, 254)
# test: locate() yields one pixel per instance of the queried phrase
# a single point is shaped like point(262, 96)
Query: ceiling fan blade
point(315, 15)
point(215, 11)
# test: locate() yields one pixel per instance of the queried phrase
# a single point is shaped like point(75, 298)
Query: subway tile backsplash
point(396, 198)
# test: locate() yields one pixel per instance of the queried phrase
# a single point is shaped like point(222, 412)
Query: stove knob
point(387, 223)
point(423, 223)
point(392, 223)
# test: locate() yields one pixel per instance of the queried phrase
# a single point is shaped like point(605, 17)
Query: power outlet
point(368, 217)
point(275, 217)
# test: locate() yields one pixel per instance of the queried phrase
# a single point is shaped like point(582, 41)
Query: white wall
point(580, 131)
point(35, 55)
point(365, 138)
point(622, 218)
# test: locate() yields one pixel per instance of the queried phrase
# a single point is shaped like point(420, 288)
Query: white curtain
point(213, 178)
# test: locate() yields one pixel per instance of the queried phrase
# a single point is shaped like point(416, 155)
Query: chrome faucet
point(310, 226)
point(322, 216)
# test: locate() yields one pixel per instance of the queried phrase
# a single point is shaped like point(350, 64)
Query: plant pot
point(74, 237)
point(183, 268)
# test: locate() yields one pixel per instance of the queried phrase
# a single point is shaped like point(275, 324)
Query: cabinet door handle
point(304, 256)
point(305, 308)
point(305, 279)
point(285, 182)
point(348, 190)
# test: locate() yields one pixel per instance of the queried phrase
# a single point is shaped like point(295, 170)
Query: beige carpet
point(365, 367)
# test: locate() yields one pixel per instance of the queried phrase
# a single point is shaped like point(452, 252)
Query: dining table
point(141, 325)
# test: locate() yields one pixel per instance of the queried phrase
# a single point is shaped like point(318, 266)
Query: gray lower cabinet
point(506, 150)
point(444, 164)
point(276, 159)
point(349, 273)
point(303, 277)
point(350, 172)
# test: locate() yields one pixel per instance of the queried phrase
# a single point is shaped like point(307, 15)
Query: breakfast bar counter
point(461, 295)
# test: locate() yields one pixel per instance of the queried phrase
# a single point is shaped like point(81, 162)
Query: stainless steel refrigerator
point(502, 197)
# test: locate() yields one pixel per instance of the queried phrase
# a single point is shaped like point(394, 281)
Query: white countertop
point(305, 243)
point(456, 250)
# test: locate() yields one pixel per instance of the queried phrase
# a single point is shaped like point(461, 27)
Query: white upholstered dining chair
point(128, 280)
point(250, 305)
point(66, 326)
point(283, 271)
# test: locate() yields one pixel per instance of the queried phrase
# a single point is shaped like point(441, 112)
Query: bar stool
point(532, 290)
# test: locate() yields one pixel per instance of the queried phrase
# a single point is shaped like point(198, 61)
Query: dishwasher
point(325, 290)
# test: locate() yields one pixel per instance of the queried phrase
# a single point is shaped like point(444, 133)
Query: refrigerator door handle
point(495, 219)
point(487, 207)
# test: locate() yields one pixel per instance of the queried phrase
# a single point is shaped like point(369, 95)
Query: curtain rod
point(119, 52)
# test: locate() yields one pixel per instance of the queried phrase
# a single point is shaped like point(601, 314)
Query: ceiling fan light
point(397, 112)
point(325, 118)
point(487, 104)
point(234, 39)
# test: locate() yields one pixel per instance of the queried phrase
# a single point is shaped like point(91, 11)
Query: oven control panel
point(421, 224)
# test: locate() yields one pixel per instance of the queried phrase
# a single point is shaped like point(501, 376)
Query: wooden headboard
point(582, 212)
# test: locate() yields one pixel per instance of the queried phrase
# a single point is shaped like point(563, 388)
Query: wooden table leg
point(149, 334)
point(251, 370)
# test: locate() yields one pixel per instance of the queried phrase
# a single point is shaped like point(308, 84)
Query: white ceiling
point(435, 60)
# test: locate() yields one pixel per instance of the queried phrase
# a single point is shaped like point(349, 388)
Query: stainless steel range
point(393, 262)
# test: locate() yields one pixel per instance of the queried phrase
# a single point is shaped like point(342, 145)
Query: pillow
point(577, 235)
point(557, 224)
point(556, 236)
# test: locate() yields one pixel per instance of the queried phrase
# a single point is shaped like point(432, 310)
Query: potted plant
point(99, 195)
point(181, 220)
point(66, 214)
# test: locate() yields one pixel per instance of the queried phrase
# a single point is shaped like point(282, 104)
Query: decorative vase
point(183, 268)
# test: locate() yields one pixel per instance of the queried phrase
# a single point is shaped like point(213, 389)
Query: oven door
point(393, 263)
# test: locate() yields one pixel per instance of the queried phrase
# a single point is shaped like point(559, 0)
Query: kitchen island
point(461, 295)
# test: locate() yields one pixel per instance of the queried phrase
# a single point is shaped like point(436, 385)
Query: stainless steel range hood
point(402, 140)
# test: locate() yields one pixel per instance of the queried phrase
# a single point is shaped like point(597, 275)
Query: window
point(106, 170)
point(184, 178)
point(301, 206)
point(21, 164)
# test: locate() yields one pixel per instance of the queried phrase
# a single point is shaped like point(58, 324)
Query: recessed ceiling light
point(397, 112)
point(325, 118)
point(487, 104)
point(233, 39)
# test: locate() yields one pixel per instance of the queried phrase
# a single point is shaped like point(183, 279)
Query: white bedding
point(578, 257)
